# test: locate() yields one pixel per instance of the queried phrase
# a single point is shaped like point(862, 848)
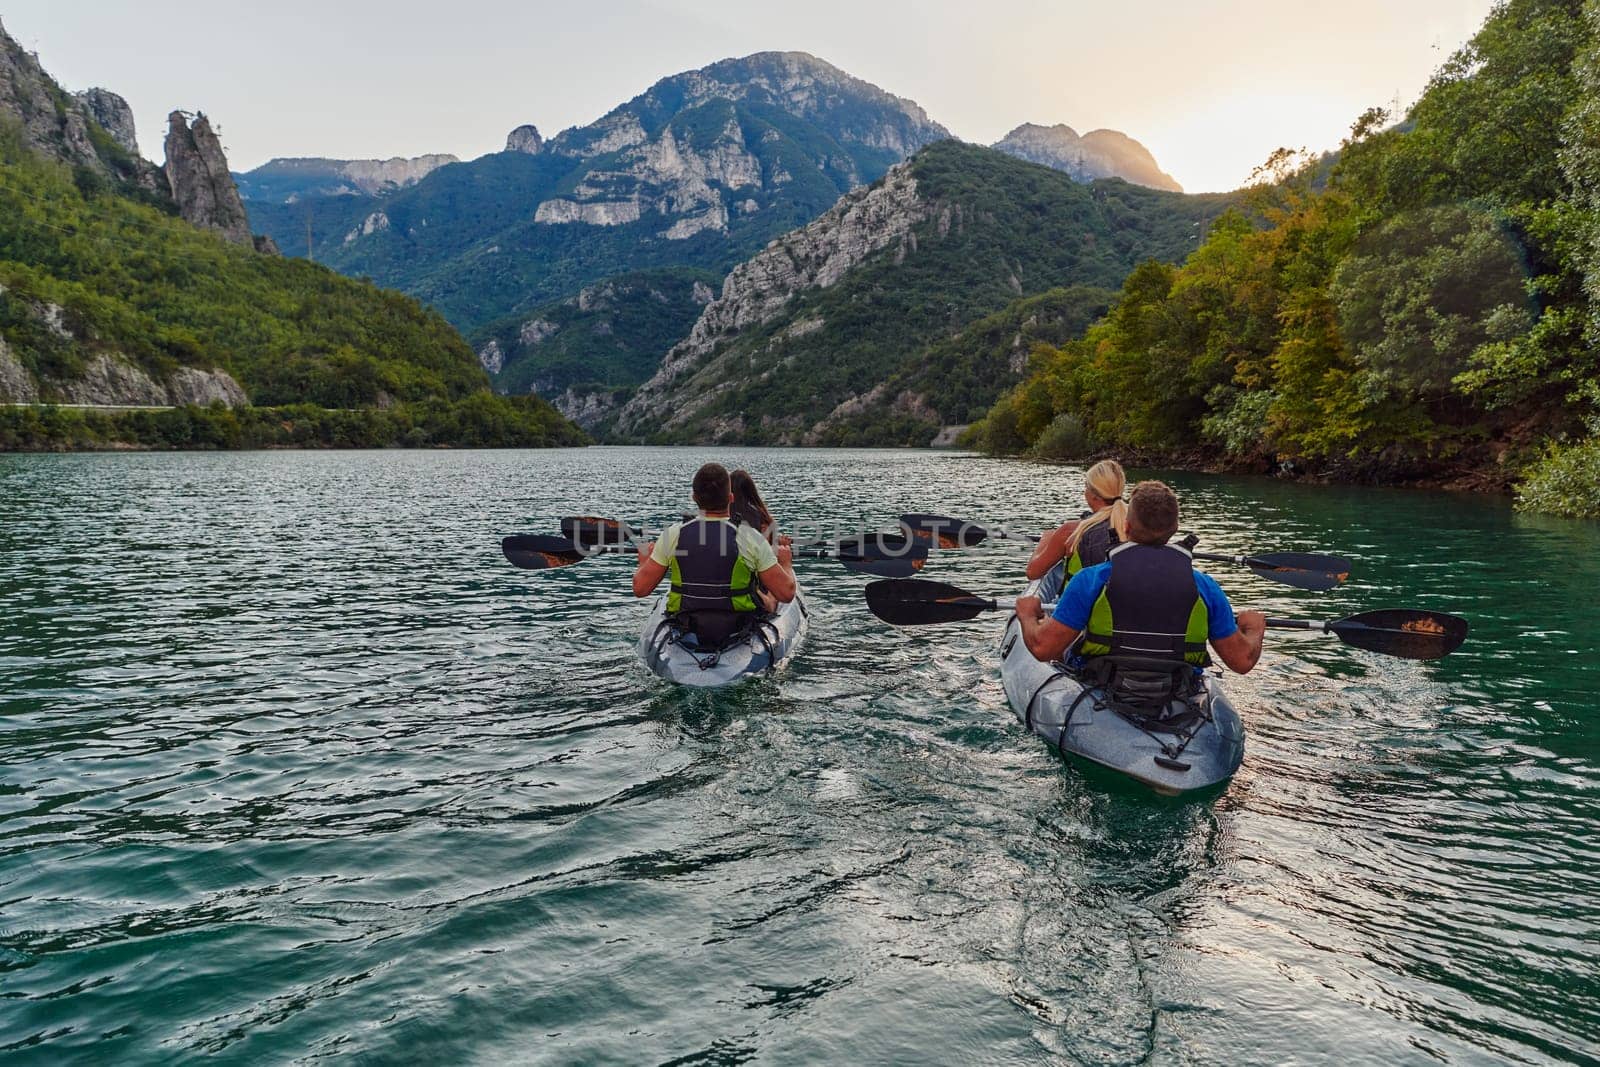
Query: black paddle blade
point(1303, 570)
point(594, 530)
point(540, 552)
point(882, 568)
point(915, 602)
point(886, 555)
point(1404, 633)
point(882, 546)
point(947, 532)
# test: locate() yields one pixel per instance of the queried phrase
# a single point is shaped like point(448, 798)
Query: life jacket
point(1151, 606)
point(1093, 547)
point(707, 572)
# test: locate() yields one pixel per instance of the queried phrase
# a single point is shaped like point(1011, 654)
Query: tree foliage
point(1436, 285)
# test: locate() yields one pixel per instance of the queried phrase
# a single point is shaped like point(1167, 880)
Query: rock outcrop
point(53, 124)
point(587, 407)
point(16, 384)
point(525, 139)
point(1096, 154)
point(758, 290)
point(113, 114)
point(106, 378)
point(197, 171)
point(66, 128)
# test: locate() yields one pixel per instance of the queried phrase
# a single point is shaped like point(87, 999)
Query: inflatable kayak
point(1194, 742)
point(765, 644)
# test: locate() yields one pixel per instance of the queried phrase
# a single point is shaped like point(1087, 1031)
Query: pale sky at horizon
point(1210, 88)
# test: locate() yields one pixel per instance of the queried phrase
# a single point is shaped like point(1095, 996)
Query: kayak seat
point(715, 631)
point(1144, 689)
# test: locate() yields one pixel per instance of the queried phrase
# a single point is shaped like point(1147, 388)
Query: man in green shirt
point(714, 564)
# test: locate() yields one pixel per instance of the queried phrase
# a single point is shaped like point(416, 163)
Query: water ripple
point(292, 766)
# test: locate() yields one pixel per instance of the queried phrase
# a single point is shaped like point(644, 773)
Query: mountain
point(699, 172)
point(1097, 154)
point(589, 351)
point(806, 338)
point(290, 180)
point(124, 284)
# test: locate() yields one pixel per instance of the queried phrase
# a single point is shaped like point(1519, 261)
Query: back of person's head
point(747, 505)
point(1152, 513)
point(711, 487)
point(1106, 481)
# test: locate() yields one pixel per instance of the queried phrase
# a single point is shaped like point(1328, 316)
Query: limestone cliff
point(695, 148)
point(68, 128)
point(525, 139)
point(758, 291)
point(291, 180)
point(197, 171)
point(113, 114)
point(1096, 154)
point(106, 377)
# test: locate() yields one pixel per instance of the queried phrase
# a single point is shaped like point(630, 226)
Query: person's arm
point(779, 578)
point(1046, 638)
point(649, 573)
point(1051, 549)
point(1241, 650)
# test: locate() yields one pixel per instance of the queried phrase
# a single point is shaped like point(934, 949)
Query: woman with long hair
point(1088, 539)
point(748, 509)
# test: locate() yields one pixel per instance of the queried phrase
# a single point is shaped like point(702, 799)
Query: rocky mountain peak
point(525, 139)
point(197, 170)
point(67, 128)
point(53, 123)
point(112, 112)
point(1096, 154)
point(702, 149)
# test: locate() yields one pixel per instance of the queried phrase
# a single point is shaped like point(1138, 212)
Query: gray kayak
point(767, 645)
point(1199, 744)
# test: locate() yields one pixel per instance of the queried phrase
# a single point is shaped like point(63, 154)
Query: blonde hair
point(1106, 481)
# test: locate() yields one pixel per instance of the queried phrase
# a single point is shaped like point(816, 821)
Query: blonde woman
point(1088, 539)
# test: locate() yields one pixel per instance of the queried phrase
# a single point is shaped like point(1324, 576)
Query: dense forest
point(1427, 308)
point(87, 269)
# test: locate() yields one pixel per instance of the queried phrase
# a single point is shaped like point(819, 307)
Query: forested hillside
point(1431, 311)
point(99, 288)
point(841, 333)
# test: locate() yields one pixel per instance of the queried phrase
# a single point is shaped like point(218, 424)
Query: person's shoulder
point(752, 540)
point(1209, 585)
point(1092, 575)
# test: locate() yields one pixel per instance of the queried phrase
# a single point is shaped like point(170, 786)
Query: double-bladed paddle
point(1404, 632)
point(880, 555)
point(1303, 570)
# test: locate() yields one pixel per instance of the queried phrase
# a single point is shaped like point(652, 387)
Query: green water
point(293, 765)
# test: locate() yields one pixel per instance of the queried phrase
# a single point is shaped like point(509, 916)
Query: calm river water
point(294, 765)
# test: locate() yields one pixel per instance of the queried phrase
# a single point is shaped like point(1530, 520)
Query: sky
point(1211, 88)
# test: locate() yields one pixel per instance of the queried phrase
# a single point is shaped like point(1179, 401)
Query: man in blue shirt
point(1147, 600)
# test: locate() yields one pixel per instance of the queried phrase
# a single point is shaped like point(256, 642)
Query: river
point(293, 765)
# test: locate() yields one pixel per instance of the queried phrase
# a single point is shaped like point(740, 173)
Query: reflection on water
point(295, 765)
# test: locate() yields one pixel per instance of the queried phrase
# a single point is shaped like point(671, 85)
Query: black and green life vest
point(1151, 606)
point(707, 571)
point(1093, 547)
